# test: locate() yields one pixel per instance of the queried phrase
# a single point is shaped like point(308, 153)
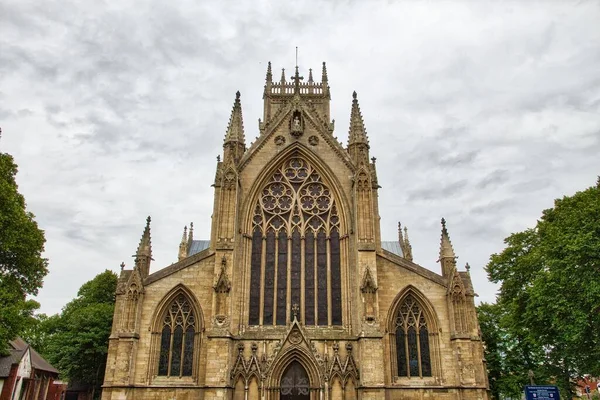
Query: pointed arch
point(297, 222)
point(176, 335)
point(413, 336)
point(285, 359)
point(330, 179)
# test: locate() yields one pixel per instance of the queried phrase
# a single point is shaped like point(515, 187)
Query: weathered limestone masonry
point(295, 295)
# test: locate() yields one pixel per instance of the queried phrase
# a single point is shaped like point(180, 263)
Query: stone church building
point(295, 295)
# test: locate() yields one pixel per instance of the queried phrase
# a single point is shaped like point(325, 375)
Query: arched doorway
point(294, 383)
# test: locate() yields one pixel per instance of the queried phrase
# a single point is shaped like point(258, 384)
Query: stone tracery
point(296, 228)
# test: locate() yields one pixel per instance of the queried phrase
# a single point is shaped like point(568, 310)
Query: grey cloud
point(441, 191)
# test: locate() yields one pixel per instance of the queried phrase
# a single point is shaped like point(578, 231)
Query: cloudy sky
point(482, 113)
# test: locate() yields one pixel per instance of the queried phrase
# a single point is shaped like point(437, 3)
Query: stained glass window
point(296, 204)
point(255, 277)
point(269, 279)
point(309, 279)
point(336, 284)
point(412, 340)
point(281, 277)
point(177, 339)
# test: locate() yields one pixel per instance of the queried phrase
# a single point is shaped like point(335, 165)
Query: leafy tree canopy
point(22, 267)
point(549, 298)
point(76, 340)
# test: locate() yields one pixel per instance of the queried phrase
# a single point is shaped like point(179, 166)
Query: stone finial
point(468, 267)
point(191, 234)
point(122, 265)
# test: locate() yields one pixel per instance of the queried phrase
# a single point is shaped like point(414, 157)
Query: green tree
point(22, 267)
point(77, 341)
point(550, 289)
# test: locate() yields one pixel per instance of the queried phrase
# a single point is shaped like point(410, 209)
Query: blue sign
point(541, 393)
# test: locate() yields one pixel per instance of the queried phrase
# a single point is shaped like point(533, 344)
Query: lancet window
point(296, 253)
point(177, 339)
point(412, 340)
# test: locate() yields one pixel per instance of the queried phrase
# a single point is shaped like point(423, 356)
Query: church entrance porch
point(294, 383)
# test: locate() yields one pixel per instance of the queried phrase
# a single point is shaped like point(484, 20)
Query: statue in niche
point(296, 124)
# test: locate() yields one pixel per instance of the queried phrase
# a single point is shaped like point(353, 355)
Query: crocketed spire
point(358, 132)
point(143, 255)
point(235, 129)
point(269, 73)
point(405, 242)
point(183, 247)
point(446, 249)
point(235, 141)
point(283, 75)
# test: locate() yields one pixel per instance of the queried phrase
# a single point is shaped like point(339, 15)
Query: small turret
point(447, 255)
point(235, 141)
point(143, 256)
point(358, 142)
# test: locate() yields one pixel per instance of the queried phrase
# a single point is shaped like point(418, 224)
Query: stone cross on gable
point(297, 79)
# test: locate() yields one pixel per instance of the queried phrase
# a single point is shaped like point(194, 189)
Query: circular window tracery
point(296, 199)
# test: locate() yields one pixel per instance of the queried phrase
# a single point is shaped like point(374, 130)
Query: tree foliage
point(548, 306)
point(76, 341)
point(22, 267)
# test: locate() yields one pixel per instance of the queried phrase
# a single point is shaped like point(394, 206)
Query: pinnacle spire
point(235, 130)
point(145, 246)
point(310, 77)
point(191, 234)
point(446, 249)
point(143, 255)
point(283, 75)
point(405, 242)
point(183, 246)
point(358, 132)
point(324, 77)
point(269, 73)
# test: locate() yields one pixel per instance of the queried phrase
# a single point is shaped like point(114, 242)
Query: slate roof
point(392, 247)
point(199, 245)
point(17, 350)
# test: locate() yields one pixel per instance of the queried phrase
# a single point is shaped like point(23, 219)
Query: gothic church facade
point(295, 295)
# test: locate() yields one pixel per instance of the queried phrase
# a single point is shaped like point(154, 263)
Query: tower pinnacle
point(143, 255)
point(447, 255)
point(235, 141)
point(358, 142)
point(269, 78)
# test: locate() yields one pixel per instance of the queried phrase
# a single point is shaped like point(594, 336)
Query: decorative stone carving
point(279, 140)
point(313, 140)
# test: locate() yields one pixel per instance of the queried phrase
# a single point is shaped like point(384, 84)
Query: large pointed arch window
point(177, 339)
point(413, 357)
point(295, 256)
